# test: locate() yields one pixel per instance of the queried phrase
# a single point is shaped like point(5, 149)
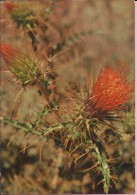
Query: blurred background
point(88, 33)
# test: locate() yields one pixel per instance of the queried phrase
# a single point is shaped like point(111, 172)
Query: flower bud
point(20, 64)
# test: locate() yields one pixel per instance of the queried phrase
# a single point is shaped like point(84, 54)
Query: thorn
point(100, 182)
point(90, 168)
point(25, 147)
point(113, 180)
point(59, 53)
point(11, 139)
point(80, 157)
point(75, 149)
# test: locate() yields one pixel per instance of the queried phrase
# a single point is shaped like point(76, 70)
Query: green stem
point(42, 90)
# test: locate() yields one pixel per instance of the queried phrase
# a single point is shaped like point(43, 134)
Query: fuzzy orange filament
point(110, 92)
point(8, 53)
point(111, 89)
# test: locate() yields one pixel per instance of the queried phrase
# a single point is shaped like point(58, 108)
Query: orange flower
point(111, 89)
point(110, 92)
point(9, 6)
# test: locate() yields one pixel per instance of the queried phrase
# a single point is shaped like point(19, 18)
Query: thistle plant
point(25, 69)
point(20, 15)
point(25, 18)
point(82, 129)
point(85, 124)
point(109, 94)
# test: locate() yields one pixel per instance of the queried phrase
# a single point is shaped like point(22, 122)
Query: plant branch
point(42, 90)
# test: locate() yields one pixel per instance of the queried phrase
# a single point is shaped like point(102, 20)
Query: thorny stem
point(41, 89)
point(43, 93)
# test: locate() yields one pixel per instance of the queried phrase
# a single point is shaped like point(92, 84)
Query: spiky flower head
point(21, 15)
point(110, 91)
point(20, 64)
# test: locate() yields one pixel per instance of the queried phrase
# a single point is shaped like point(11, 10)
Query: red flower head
point(110, 91)
point(9, 6)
